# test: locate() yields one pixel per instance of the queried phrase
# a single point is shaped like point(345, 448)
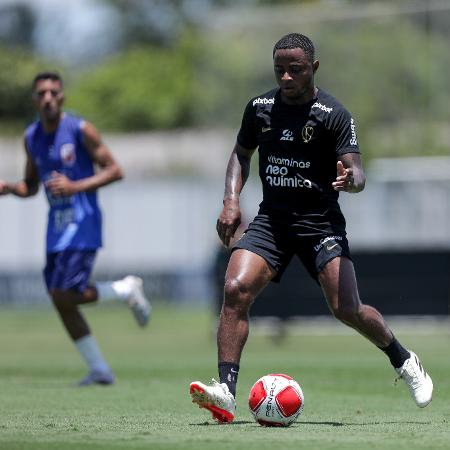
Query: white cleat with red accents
point(216, 398)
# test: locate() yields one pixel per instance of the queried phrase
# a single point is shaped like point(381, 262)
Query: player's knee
point(347, 314)
point(236, 294)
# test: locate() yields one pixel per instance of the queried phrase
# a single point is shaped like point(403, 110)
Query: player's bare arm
point(350, 174)
point(237, 173)
point(28, 186)
point(100, 154)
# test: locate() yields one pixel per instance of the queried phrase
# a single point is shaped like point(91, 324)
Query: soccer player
point(66, 154)
point(308, 154)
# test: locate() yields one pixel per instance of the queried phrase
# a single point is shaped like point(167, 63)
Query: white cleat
point(216, 398)
point(419, 382)
point(137, 301)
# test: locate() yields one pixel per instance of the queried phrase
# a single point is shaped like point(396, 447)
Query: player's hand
point(228, 221)
point(60, 186)
point(344, 179)
point(4, 188)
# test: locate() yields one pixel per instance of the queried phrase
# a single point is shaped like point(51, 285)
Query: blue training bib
point(74, 222)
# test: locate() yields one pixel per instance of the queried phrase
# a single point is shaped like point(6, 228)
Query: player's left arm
point(350, 174)
point(109, 170)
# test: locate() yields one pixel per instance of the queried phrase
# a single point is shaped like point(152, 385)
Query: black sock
point(228, 374)
point(396, 353)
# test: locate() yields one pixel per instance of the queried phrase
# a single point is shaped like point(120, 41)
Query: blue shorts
point(69, 270)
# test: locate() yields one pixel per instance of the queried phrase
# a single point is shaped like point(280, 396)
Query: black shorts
point(277, 242)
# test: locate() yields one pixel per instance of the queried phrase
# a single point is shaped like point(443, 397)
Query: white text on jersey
point(264, 101)
point(322, 107)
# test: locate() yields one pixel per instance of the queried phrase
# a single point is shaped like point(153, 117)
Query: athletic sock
point(112, 290)
point(396, 353)
point(228, 374)
point(90, 352)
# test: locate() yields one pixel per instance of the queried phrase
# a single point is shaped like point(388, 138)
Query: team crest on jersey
point(68, 154)
point(307, 133)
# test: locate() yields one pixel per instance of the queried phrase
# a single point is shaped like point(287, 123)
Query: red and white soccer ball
point(276, 400)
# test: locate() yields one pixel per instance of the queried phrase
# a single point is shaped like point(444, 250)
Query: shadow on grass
point(302, 423)
point(361, 424)
point(212, 424)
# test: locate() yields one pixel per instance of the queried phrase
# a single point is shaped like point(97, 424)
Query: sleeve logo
point(353, 139)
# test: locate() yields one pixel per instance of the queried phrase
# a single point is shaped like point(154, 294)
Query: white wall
point(159, 225)
point(170, 224)
point(154, 220)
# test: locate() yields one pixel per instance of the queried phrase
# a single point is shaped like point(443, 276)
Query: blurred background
point(166, 82)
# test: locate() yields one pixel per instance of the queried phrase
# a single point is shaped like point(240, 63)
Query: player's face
point(294, 72)
point(48, 98)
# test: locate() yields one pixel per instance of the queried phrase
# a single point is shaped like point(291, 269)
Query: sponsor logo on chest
point(306, 133)
point(287, 135)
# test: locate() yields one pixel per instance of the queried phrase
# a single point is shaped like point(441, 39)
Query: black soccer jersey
point(298, 149)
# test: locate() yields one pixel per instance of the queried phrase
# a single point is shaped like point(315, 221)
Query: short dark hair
point(54, 76)
point(296, 40)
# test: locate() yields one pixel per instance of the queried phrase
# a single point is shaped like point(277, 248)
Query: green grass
point(350, 400)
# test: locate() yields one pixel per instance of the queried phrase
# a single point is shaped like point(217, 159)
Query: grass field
point(350, 399)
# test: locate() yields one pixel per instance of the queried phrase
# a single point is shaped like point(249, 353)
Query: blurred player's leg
point(129, 289)
point(66, 303)
point(66, 276)
point(99, 371)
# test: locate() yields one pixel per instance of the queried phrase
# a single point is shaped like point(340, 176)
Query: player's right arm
point(29, 185)
point(238, 170)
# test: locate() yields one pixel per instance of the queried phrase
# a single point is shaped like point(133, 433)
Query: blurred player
point(308, 153)
point(63, 153)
